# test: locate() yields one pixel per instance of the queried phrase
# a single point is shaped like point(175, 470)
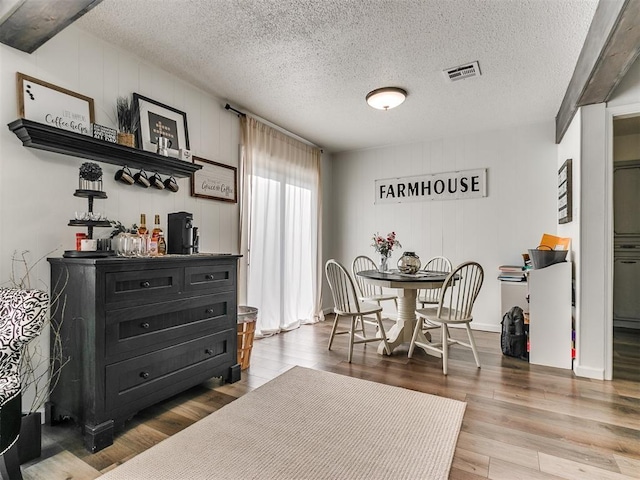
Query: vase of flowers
point(384, 246)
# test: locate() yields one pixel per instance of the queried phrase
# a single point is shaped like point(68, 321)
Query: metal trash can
point(247, 317)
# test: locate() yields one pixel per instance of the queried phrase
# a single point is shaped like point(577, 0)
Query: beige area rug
point(308, 424)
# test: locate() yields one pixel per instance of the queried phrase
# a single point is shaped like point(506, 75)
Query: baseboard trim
point(588, 372)
point(635, 324)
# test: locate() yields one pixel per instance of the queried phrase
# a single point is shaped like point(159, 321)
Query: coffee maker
point(181, 234)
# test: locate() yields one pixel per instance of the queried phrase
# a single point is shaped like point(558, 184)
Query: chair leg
point(351, 335)
point(445, 348)
point(10, 464)
point(472, 342)
point(333, 331)
point(383, 334)
point(412, 345)
point(361, 320)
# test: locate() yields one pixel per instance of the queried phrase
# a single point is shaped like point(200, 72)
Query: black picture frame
point(565, 193)
point(155, 119)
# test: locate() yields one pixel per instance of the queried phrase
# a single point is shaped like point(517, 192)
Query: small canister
point(79, 238)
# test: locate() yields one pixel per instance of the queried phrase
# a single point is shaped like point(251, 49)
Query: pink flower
point(383, 245)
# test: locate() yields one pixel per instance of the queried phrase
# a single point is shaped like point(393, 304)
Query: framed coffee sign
point(46, 103)
point(215, 181)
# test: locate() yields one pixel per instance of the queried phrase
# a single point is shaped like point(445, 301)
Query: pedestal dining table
point(407, 286)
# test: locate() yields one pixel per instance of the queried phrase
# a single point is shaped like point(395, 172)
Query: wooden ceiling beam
point(611, 47)
point(30, 23)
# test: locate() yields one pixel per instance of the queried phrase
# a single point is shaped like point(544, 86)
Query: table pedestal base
point(402, 331)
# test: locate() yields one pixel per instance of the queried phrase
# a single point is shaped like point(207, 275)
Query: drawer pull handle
point(208, 276)
point(209, 311)
point(208, 351)
point(144, 325)
point(145, 284)
point(144, 374)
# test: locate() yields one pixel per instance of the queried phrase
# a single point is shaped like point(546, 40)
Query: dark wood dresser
point(137, 331)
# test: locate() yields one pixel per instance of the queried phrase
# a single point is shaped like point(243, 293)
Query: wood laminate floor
point(522, 421)
point(626, 354)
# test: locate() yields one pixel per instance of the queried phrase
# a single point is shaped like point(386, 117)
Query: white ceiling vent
point(461, 72)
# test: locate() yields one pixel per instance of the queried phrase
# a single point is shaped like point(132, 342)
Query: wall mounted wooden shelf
point(44, 137)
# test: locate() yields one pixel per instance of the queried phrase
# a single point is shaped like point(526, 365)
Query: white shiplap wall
point(521, 203)
point(36, 187)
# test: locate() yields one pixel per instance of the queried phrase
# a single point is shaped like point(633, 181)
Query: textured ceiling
point(306, 65)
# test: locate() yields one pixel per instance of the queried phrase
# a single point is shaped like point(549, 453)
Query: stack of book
point(512, 273)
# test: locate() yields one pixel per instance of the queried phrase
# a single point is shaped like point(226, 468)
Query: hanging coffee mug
point(156, 181)
point(124, 175)
point(142, 179)
point(163, 144)
point(171, 184)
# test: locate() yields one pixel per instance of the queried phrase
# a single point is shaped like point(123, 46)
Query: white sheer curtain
point(280, 228)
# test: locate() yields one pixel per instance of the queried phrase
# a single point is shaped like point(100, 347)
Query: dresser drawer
point(153, 376)
point(138, 330)
point(142, 285)
point(210, 277)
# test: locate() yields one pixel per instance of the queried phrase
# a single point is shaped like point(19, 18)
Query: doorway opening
point(626, 247)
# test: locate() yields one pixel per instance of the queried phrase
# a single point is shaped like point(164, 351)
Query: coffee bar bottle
point(142, 228)
point(158, 246)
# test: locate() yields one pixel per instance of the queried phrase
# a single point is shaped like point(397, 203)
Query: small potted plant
point(127, 121)
point(90, 176)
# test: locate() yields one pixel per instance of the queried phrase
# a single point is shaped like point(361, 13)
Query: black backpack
point(514, 336)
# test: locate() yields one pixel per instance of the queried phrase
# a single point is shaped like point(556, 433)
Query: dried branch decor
point(40, 370)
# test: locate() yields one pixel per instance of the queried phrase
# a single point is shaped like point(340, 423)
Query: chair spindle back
point(460, 290)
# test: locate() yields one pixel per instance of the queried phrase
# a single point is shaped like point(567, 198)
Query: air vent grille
point(462, 72)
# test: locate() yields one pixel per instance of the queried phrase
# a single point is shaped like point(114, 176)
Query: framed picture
point(565, 193)
point(49, 104)
point(215, 181)
point(158, 120)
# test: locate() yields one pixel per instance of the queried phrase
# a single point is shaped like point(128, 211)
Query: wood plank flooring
point(626, 354)
point(522, 421)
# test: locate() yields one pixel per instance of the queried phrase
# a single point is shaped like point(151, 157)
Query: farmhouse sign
point(438, 186)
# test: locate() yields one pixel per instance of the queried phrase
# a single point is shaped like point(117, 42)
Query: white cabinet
point(626, 192)
point(549, 307)
point(626, 254)
point(550, 315)
point(626, 278)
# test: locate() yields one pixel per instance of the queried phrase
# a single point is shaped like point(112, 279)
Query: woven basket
point(247, 317)
point(127, 139)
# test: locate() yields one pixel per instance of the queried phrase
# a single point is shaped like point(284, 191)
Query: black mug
point(124, 175)
point(156, 181)
point(171, 184)
point(142, 179)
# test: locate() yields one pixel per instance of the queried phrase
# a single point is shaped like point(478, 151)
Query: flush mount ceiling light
point(386, 98)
